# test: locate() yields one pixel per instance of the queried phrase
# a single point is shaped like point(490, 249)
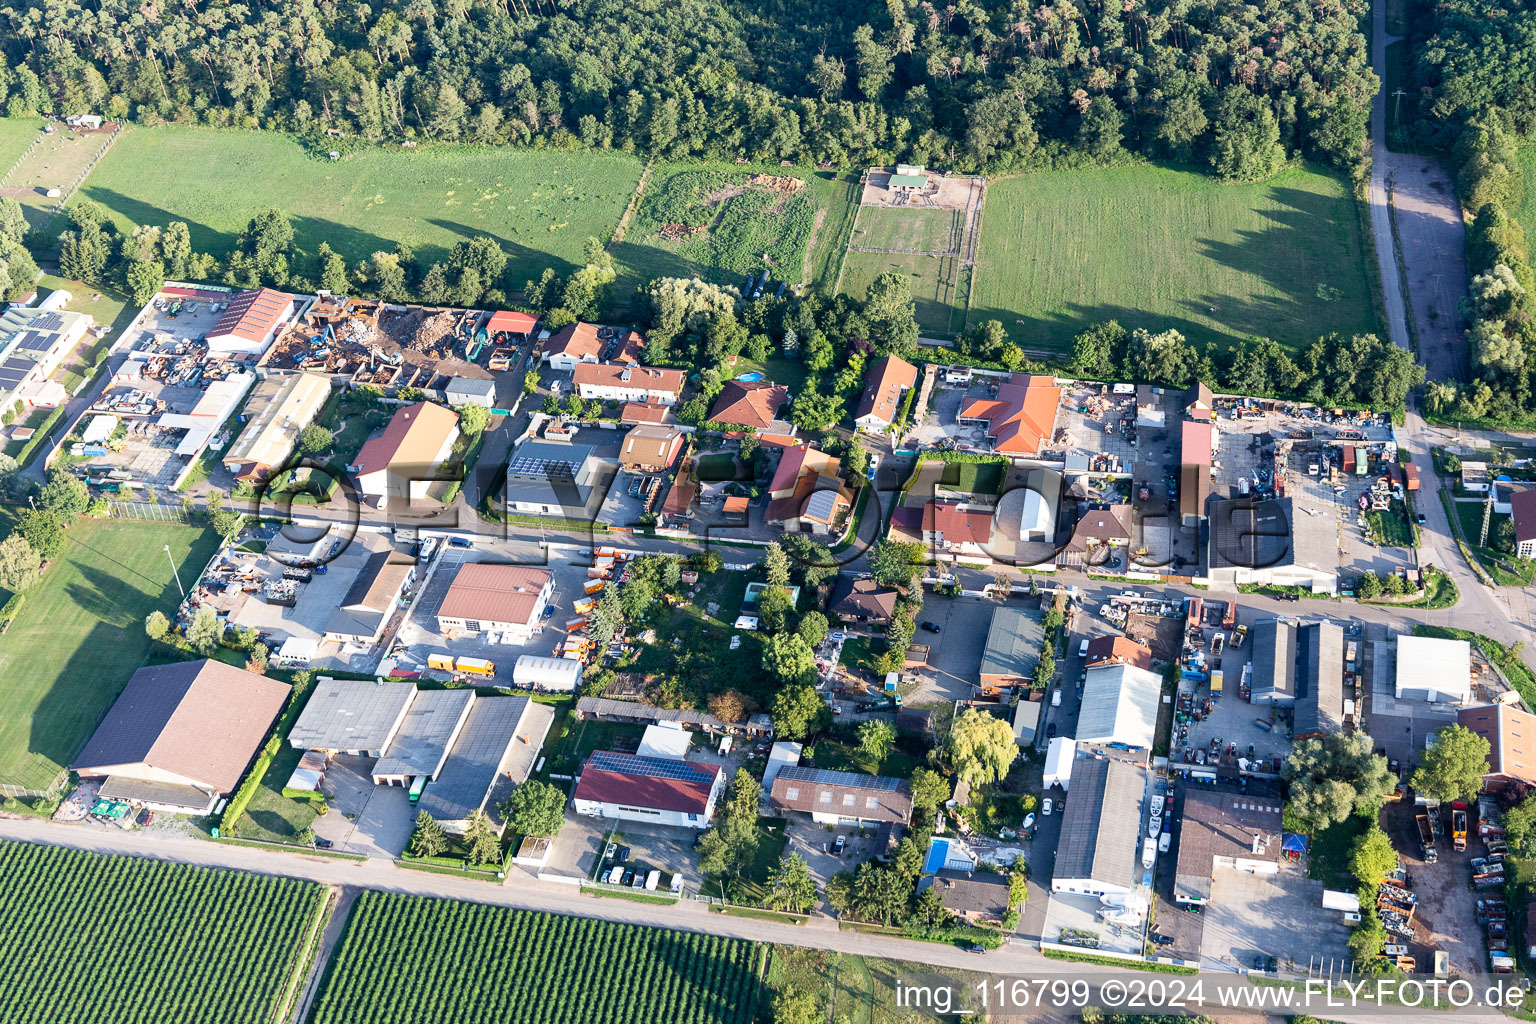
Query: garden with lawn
point(1161, 247)
point(79, 636)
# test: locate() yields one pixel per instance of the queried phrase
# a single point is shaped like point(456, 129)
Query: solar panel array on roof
point(820, 505)
point(853, 780)
point(655, 767)
point(48, 322)
point(541, 466)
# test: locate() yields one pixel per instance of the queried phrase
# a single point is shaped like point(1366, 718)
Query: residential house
point(579, 343)
point(250, 322)
point(471, 391)
point(489, 598)
point(1100, 530)
point(646, 414)
point(1021, 418)
point(957, 528)
point(1511, 734)
point(405, 460)
point(863, 601)
point(1504, 492)
point(1117, 650)
point(627, 382)
point(1013, 649)
point(974, 897)
point(277, 411)
point(754, 405)
point(884, 384)
point(1224, 832)
point(647, 449)
point(1119, 706)
point(1522, 506)
point(659, 790)
point(1475, 477)
point(1199, 400)
point(1098, 850)
point(805, 495)
point(179, 737)
point(841, 798)
point(492, 754)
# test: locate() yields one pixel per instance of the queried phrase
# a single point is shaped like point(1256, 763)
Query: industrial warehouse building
point(841, 798)
point(352, 716)
point(1097, 852)
point(180, 736)
point(279, 408)
point(661, 790)
point(494, 751)
point(558, 675)
point(404, 461)
point(489, 598)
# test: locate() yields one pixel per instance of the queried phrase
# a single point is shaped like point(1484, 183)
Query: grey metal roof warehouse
point(351, 714)
point(1101, 823)
point(429, 729)
point(1274, 659)
point(501, 738)
point(1013, 643)
point(1320, 679)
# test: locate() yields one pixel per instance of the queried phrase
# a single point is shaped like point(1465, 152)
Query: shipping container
point(440, 662)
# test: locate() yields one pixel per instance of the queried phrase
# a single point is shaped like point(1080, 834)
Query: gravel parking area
point(1278, 915)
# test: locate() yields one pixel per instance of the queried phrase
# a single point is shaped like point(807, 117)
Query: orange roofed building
point(1022, 416)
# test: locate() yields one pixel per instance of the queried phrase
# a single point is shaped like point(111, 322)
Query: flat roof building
point(1231, 831)
point(367, 605)
point(1434, 670)
point(1012, 650)
point(33, 343)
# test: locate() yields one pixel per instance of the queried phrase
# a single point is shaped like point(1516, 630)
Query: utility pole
point(174, 571)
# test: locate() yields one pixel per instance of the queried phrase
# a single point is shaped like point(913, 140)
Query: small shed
point(296, 652)
point(471, 391)
point(99, 429)
point(665, 739)
point(532, 672)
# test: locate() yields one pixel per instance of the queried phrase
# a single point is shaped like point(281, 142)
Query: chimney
point(1258, 844)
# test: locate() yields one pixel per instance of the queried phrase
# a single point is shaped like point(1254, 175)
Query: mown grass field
point(80, 636)
point(57, 162)
point(643, 254)
point(541, 206)
point(917, 229)
point(115, 940)
point(939, 285)
point(1161, 248)
point(16, 134)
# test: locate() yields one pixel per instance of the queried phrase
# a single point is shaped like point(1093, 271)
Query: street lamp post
point(174, 572)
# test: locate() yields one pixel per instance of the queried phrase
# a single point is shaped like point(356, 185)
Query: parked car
point(1047, 806)
point(549, 611)
point(611, 852)
point(1419, 518)
point(838, 844)
point(146, 817)
point(460, 542)
point(932, 627)
point(1162, 940)
point(1050, 731)
point(1164, 841)
point(623, 855)
point(975, 948)
point(323, 844)
point(629, 877)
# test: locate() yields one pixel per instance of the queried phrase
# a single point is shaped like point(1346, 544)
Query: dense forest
point(974, 84)
point(1474, 87)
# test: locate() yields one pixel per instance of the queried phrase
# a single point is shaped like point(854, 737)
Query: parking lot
point(1279, 915)
point(1447, 911)
point(421, 636)
point(1357, 552)
point(954, 657)
point(817, 845)
point(579, 850)
point(374, 821)
point(1232, 720)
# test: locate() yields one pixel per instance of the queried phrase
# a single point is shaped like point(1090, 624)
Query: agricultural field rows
point(122, 940)
point(1159, 247)
point(411, 960)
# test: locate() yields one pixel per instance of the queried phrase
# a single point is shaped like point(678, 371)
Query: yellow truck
point(477, 667)
point(440, 662)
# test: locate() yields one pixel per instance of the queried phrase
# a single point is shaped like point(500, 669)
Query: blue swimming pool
point(750, 377)
point(938, 856)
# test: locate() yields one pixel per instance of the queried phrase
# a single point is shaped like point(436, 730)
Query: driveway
point(374, 821)
point(954, 656)
point(814, 843)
